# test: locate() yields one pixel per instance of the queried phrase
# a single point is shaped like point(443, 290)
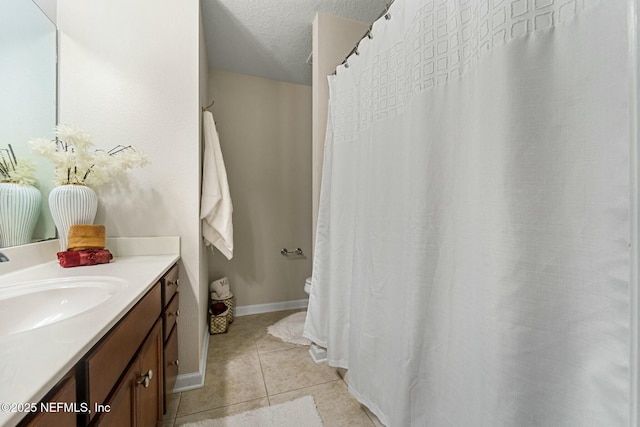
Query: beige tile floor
point(247, 368)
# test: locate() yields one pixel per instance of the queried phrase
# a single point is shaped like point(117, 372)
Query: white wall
point(203, 301)
point(129, 74)
point(333, 39)
point(265, 135)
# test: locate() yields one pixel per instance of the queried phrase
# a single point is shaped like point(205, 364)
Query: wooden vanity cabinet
point(170, 314)
point(124, 374)
point(127, 378)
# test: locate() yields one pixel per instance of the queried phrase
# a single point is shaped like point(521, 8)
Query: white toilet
point(318, 354)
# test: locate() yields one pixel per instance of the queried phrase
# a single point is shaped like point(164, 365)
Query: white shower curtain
point(472, 257)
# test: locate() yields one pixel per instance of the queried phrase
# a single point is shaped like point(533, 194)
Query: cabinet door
point(137, 400)
point(149, 385)
point(63, 417)
point(120, 409)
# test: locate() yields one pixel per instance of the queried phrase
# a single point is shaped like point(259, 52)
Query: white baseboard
point(246, 310)
point(194, 380)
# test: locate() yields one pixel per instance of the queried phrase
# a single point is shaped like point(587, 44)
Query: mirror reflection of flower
point(76, 162)
point(16, 172)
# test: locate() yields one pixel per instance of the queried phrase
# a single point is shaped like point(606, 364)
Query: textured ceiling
point(272, 38)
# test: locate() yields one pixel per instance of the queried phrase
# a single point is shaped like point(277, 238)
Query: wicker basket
point(218, 324)
point(229, 303)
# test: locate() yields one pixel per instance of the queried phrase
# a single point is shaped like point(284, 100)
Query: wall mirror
point(28, 95)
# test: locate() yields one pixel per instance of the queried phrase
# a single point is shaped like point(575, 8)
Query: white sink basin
point(31, 305)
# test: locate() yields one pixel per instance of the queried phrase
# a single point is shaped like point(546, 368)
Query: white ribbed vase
point(19, 212)
point(70, 205)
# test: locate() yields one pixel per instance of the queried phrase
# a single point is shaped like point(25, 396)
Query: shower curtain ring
point(387, 15)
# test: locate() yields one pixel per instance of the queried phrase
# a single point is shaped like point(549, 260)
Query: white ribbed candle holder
point(19, 212)
point(70, 205)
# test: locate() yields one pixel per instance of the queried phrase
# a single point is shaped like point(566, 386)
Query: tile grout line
point(302, 388)
point(215, 409)
point(264, 380)
point(175, 416)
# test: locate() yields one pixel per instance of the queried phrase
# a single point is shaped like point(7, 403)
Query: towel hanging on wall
point(215, 205)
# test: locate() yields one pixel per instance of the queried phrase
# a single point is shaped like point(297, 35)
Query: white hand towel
point(220, 288)
point(215, 205)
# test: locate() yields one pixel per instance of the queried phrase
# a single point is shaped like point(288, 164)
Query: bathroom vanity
point(112, 364)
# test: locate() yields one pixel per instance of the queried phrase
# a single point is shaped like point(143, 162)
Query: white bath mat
point(296, 413)
point(290, 329)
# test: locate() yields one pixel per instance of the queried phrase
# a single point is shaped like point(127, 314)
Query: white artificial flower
point(76, 163)
point(14, 171)
point(22, 173)
point(25, 173)
point(74, 136)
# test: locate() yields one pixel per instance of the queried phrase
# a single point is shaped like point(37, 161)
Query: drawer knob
point(175, 283)
point(145, 379)
point(176, 363)
point(174, 313)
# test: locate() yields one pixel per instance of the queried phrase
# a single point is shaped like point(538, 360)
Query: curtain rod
point(386, 15)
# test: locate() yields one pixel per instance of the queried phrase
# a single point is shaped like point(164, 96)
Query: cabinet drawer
point(109, 359)
point(170, 285)
point(170, 315)
point(170, 366)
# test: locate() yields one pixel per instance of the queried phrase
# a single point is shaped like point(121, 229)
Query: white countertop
point(32, 362)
